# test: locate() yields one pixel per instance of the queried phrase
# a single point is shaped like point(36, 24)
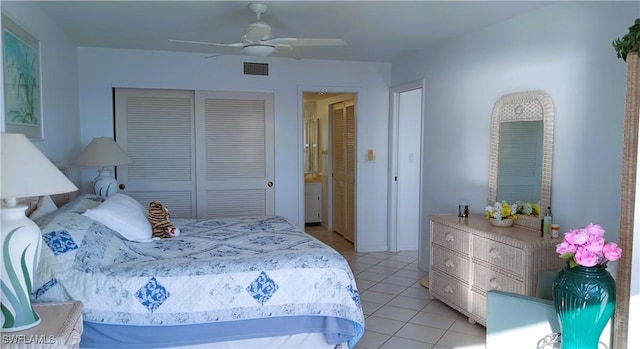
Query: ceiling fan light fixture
point(259, 50)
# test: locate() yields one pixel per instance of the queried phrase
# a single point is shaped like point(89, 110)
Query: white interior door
point(155, 128)
point(407, 164)
point(235, 137)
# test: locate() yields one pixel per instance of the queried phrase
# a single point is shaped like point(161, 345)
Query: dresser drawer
point(486, 279)
point(500, 255)
point(450, 262)
point(450, 238)
point(479, 307)
point(449, 290)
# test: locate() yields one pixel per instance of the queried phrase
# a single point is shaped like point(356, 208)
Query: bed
point(229, 283)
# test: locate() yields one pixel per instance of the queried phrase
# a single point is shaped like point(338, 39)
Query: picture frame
point(21, 81)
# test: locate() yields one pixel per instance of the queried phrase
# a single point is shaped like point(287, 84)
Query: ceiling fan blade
point(235, 44)
point(305, 42)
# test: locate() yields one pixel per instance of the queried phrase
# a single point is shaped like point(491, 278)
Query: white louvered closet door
point(155, 128)
point(338, 174)
point(344, 169)
point(235, 154)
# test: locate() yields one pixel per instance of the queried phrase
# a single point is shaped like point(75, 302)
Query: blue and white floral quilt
point(216, 270)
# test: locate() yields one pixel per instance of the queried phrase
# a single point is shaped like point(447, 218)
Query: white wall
point(564, 49)
point(102, 69)
point(59, 80)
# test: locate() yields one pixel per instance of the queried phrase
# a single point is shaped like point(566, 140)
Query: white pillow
point(45, 206)
point(125, 215)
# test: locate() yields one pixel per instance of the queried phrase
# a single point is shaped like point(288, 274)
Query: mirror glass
point(522, 151)
point(520, 161)
point(310, 138)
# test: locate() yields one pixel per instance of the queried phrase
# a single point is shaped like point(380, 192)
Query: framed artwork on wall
point(21, 81)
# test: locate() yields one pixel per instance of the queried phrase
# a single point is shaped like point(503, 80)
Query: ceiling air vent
point(256, 69)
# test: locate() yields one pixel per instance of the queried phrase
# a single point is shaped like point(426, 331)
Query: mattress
point(221, 279)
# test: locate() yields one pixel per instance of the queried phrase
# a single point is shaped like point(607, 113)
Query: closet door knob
point(270, 184)
point(121, 186)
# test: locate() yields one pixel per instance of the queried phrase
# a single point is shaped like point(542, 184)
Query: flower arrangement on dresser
point(501, 210)
point(502, 214)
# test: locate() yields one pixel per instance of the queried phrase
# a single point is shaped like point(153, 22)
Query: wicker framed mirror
point(522, 152)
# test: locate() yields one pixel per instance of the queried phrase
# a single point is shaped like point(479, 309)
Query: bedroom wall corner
point(59, 85)
point(564, 49)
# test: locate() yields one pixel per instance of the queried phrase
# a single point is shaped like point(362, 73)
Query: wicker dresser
point(469, 257)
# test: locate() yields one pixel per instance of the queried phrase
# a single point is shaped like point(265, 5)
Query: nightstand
point(60, 328)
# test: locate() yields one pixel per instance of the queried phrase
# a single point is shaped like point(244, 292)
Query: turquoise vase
point(584, 299)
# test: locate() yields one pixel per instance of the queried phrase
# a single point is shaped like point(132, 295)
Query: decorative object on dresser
point(25, 172)
point(507, 222)
point(470, 257)
point(501, 214)
point(61, 327)
point(103, 152)
point(584, 293)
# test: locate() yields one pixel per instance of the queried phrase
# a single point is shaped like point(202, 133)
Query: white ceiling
point(376, 31)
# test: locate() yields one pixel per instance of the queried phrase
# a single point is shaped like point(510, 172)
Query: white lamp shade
point(27, 172)
point(102, 152)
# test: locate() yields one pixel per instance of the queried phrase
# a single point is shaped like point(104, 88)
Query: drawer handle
point(495, 284)
point(448, 289)
point(449, 263)
point(494, 253)
point(448, 237)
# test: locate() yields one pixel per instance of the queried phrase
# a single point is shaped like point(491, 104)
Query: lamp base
point(21, 241)
point(105, 185)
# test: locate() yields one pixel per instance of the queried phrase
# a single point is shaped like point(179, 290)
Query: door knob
point(121, 186)
point(270, 184)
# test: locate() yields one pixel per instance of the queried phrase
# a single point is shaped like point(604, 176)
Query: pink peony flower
point(576, 236)
point(586, 258)
point(565, 247)
point(611, 251)
point(594, 243)
point(594, 229)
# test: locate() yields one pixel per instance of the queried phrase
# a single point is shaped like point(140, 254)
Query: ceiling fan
point(257, 41)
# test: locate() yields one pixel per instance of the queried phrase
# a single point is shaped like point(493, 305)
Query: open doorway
point(329, 143)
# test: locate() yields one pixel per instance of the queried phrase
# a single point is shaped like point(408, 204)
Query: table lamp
point(25, 172)
point(103, 152)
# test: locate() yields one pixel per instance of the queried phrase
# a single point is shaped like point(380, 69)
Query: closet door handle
point(270, 184)
point(121, 186)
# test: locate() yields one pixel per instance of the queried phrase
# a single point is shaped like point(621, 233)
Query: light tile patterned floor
point(399, 312)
